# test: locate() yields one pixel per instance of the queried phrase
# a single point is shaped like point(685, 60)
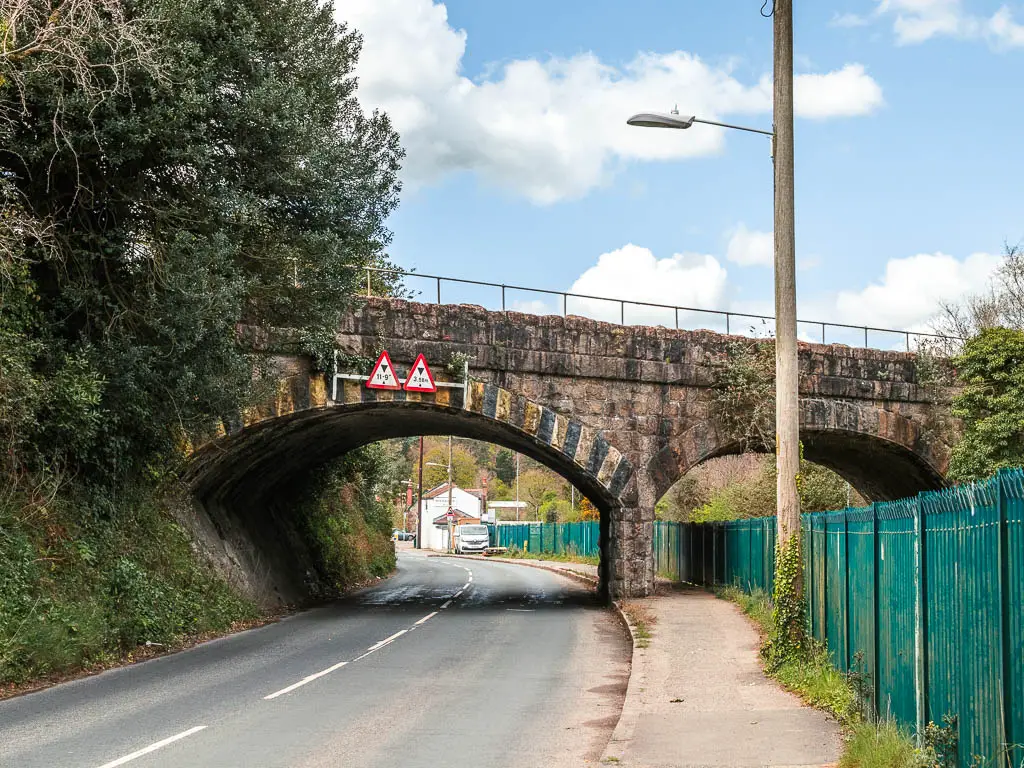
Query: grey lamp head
point(661, 120)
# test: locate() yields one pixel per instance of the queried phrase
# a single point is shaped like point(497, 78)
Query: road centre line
point(152, 747)
point(305, 680)
point(373, 648)
point(378, 645)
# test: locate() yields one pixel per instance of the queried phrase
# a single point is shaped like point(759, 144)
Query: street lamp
point(787, 406)
point(675, 120)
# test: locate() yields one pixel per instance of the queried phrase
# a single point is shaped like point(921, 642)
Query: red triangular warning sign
point(383, 375)
point(420, 378)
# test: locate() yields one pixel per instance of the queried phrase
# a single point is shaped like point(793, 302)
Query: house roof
point(459, 515)
point(433, 493)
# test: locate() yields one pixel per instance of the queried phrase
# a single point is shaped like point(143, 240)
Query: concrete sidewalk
point(698, 697)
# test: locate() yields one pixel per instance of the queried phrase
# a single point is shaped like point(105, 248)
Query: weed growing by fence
point(641, 619)
point(570, 556)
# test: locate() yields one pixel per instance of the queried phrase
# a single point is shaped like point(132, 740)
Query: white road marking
point(378, 645)
point(521, 610)
point(373, 648)
point(305, 680)
point(153, 747)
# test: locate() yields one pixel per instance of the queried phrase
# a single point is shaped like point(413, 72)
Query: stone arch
point(247, 458)
point(883, 454)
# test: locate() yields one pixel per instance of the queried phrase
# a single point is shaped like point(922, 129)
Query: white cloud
point(849, 20)
point(847, 92)
point(915, 21)
point(553, 129)
point(632, 272)
point(913, 290)
point(750, 247)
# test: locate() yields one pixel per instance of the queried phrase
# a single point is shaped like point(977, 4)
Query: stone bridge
point(620, 412)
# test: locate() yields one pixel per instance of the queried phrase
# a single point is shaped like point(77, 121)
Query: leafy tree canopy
point(991, 404)
point(231, 183)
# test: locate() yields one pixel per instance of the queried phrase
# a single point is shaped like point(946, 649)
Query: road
point(451, 662)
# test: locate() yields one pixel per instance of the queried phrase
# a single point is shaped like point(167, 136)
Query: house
point(466, 504)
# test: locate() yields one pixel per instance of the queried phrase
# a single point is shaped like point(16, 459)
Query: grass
point(881, 745)
point(560, 557)
point(812, 677)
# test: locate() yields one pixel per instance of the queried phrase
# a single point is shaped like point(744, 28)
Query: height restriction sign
point(420, 378)
point(383, 375)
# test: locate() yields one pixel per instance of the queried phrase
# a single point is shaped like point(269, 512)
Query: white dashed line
point(372, 649)
point(152, 747)
point(377, 646)
point(305, 680)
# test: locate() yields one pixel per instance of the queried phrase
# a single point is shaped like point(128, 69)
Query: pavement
point(448, 663)
point(699, 697)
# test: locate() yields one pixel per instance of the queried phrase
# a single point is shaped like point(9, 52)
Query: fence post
point(824, 581)
point(810, 572)
point(1005, 630)
point(876, 684)
point(920, 663)
point(714, 554)
point(725, 553)
point(704, 553)
point(846, 587)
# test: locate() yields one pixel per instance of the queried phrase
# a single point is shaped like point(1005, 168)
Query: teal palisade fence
point(923, 596)
point(581, 538)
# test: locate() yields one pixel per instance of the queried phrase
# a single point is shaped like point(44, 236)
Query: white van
point(471, 538)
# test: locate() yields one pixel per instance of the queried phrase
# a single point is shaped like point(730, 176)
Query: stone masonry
point(622, 412)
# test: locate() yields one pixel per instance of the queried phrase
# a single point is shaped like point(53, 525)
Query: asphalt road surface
point(450, 663)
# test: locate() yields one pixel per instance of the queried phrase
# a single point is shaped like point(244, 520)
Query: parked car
point(471, 538)
point(398, 535)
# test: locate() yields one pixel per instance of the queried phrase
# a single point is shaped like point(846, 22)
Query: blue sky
point(521, 170)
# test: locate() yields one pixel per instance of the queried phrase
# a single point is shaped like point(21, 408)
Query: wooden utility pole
point(787, 406)
point(419, 504)
point(451, 526)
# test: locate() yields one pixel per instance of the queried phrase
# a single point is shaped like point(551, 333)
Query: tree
point(1000, 306)
point(235, 188)
point(744, 394)
point(587, 510)
point(991, 404)
point(435, 470)
point(537, 486)
point(555, 511)
point(505, 466)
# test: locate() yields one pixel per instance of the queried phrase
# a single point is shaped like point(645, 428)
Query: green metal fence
point(581, 538)
point(924, 596)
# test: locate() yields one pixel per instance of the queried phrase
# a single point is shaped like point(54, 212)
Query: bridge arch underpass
point(883, 456)
point(245, 477)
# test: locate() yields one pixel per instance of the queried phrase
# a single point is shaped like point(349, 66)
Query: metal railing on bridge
point(459, 290)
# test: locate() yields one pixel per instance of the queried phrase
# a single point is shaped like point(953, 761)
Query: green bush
point(347, 526)
point(89, 575)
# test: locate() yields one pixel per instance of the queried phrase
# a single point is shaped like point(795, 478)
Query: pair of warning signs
point(383, 376)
